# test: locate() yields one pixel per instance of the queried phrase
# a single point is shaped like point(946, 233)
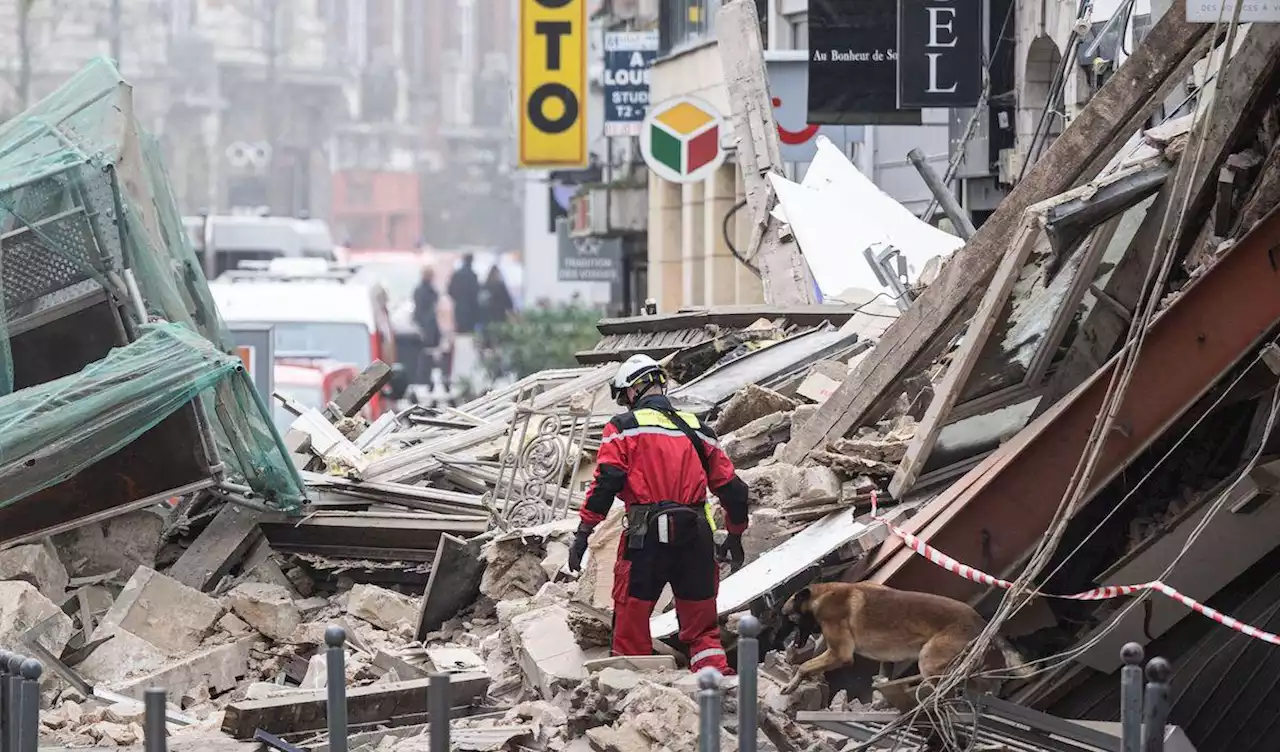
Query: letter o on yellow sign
point(553, 84)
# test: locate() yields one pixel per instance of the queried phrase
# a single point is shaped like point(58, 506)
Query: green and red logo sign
point(680, 140)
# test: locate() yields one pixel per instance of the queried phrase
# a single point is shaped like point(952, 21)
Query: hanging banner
point(553, 84)
point(627, 57)
point(939, 53)
point(855, 41)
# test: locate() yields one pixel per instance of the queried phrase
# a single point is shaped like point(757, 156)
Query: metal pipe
point(1156, 705)
point(335, 660)
point(439, 712)
point(29, 723)
point(946, 199)
point(748, 680)
point(135, 295)
point(13, 702)
point(1131, 698)
point(709, 701)
point(154, 702)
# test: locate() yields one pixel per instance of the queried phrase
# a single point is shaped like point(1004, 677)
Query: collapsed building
point(1083, 395)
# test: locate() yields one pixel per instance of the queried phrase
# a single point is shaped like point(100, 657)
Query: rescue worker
point(661, 462)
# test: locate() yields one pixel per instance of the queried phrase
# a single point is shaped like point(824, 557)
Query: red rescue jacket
point(645, 458)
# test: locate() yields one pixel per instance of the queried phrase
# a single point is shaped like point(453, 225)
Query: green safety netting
point(86, 217)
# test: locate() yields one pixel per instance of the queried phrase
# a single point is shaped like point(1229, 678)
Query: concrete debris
point(121, 543)
point(548, 654)
point(168, 615)
point(751, 404)
point(23, 607)
point(37, 564)
point(589, 629)
point(758, 439)
point(270, 609)
point(383, 608)
point(514, 568)
point(595, 584)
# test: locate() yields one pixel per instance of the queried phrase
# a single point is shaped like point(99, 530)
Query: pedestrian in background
point(464, 288)
point(495, 299)
point(426, 300)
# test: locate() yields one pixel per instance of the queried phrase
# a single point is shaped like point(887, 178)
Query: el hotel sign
point(553, 84)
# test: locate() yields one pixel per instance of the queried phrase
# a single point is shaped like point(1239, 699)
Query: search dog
point(889, 625)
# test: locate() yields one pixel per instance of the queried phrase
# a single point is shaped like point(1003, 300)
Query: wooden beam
point(783, 271)
point(946, 394)
point(454, 583)
point(1097, 133)
point(362, 389)
point(305, 711)
point(1012, 496)
point(218, 548)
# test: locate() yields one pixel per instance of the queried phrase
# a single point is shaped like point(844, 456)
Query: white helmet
point(636, 370)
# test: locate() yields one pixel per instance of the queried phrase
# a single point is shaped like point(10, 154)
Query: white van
point(237, 238)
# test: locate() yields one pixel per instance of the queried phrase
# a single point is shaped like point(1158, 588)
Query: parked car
point(313, 320)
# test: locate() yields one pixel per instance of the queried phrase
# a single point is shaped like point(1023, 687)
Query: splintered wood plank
point(218, 548)
point(946, 394)
point(1088, 143)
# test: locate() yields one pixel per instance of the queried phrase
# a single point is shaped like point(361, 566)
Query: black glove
point(579, 547)
point(731, 551)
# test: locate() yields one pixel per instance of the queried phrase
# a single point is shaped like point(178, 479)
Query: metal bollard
point(154, 701)
point(1156, 705)
point(13, 702)
point(709, 701)
point(439, 711)
point(336, 660)
point(30, 738)
point(4, 703)
point(1131, 698)
point(748, 682)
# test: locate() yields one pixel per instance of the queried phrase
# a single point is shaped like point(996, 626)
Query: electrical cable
point(724, 229)
point(1020, 592)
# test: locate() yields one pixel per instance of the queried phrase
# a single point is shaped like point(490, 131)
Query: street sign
point(797, 136)
point(553, 84)
point(627, 57)
point(1259, 11)
point(680, 140)
point(939, 53)
point(855, 40)
point(587, 259)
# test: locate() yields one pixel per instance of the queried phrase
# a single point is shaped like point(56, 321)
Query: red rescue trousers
point(686, 562)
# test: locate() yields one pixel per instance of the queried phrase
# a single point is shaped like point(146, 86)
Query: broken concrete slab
point(818, 485)
point(218, 669)
point(268, 608)
point(666, 716)
point(453, 584)
point(122, 656)
point(37, 564)
point(22, 607)
point(548, 655)
point(750, 404)
point(756, 441)
point(382, 608)
point(455, 660)
point(122, 543)
point(162, 611)
point(618, 680)
point(772, 486)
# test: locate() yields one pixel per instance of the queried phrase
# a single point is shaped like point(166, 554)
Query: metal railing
point(1144, 710)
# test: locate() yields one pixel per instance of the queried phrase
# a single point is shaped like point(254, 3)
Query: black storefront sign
point(853, 64)
point(939, 53)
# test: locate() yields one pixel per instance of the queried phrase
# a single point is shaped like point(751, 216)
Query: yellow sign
point(553, 84)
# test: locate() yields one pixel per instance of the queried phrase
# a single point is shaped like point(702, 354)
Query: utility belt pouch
point(638, 518)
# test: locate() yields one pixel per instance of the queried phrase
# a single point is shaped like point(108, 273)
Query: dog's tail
point(1013, 660)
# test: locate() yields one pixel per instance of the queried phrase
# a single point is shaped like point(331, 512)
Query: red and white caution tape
point(1097, 594)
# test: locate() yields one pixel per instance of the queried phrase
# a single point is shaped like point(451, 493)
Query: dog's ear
point(803, 596)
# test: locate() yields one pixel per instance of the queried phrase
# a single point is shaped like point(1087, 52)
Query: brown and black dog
point(888, 625)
